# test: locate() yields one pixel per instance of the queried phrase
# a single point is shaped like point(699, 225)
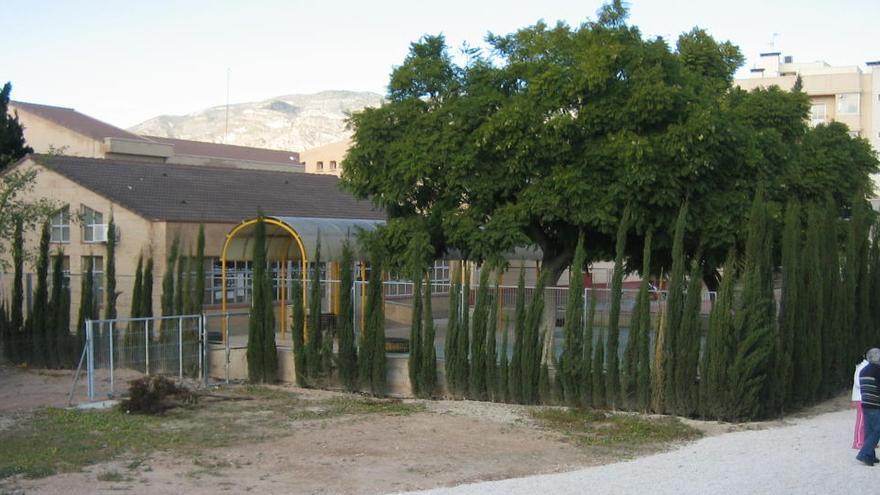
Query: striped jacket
point(869, 382)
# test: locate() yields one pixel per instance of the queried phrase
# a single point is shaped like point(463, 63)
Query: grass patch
point(113, 477)
point(597, 428)
point(61, 440)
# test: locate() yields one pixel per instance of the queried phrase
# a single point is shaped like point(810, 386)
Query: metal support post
point(112, 364)
point(180, 349)
point(226, 343)
point(90, 360)
point(147, 347)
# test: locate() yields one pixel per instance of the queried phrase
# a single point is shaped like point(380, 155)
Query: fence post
point(90, 360)
point(180, 348)
point(112, 362)
point(147, 346)
point(203, 351)
point(226, 343)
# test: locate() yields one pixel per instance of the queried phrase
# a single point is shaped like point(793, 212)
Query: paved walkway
point(809, 456)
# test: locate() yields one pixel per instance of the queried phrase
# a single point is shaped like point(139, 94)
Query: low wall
point(397, 369)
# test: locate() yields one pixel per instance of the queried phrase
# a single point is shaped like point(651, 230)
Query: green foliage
point(88, 307)
point(12, 144)
point(462, 340)
point(674, 308)
point(519, 322)
point(38, 319)
point(503, 389)
point(533, 334)
point(689, 338)
point(597, 373)
point(428, 368)
point(569, 373)
point(297, 331)
point(198, 292)
point(613, 362)
point(482, 310)
point(261, 353)
point(720, 347)
point(415, 337)
point(637, 380)
point(58, 325)
point(754, 325)
point(587, 379)
point(491, 368)
point(180, 287)
point(167, 299)
point(132, 343)
point(375, 316)
point(450, 345)
point(110, 273)
point(313, 329)
point(792, 338)
point(16, 318)
point(347, 359)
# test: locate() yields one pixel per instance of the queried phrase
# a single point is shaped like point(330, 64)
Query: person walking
point(859, 434)
point(869, 385)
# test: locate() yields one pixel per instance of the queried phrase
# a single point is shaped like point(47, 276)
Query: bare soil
point(450, 443)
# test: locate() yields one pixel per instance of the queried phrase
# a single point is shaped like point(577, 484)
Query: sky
point(127, 61)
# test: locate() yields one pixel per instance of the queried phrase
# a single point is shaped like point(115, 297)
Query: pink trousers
point(859, 434)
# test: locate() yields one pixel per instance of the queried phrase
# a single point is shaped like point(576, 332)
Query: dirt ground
point(450, 443)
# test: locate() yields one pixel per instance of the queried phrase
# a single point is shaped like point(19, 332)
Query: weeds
point(597, 428)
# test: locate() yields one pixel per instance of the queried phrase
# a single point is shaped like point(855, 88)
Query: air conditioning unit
point(99, 232)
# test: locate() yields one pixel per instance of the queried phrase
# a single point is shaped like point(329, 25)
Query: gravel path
point(810, 456)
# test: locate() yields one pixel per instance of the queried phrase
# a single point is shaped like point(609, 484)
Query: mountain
point(291, 122)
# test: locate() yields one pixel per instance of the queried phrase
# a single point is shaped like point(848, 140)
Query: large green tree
point(12, 144)
point(556, 128)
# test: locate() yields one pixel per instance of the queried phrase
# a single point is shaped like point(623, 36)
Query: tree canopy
point(555, 130)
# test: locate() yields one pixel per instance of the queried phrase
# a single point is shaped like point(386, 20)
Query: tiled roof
point(73, 120)
point(186, 193)
point(229, 151)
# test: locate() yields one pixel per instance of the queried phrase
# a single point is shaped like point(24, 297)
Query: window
point(848, 104)
point(93, 228)
point(59, 224)
point(817, 114)
point(97, 266)
point(320, 165)
point(853, 134)
point(333, 165)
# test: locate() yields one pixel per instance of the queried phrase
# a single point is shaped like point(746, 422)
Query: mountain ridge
point(292, 122)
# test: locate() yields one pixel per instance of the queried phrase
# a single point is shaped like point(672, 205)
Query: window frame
point(840, 98)
point(89, 215)
point(60, 221)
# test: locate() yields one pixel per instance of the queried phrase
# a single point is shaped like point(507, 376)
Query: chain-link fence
point(121, 350)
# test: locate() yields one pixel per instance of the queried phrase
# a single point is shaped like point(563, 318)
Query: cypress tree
point(428, 377)
point(482, 308)
point(586, 365)
point(637, 385)
point(134, 335)
point(345, 324)
point(180, 295)
point(809, 362)
point(297, 331)
point(719, 346)
point(532, 345)
point(87, 307)
point(167, 299)
point(110, 273)
point(261, 352)
point(754, 321)
point(658, 364)
point(415, 338)
point(569, 372)
point(375, 313)
point(314, 341)
point(198, 292)
point(791, 335)
point(519, 322)
point(503, 389)
point(689, 349)
point(38, 319)
point(674, 309)
point(598, 370)
point(874, 276)
point(365, 343)
point(857, 275)
point(16, 317)
point(55, 333)
point(613, 360)
point(451, 341)
point(462, 340)
point(146, 305)
point(491, 351)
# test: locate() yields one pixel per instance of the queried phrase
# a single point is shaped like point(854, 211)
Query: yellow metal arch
point(232, 234)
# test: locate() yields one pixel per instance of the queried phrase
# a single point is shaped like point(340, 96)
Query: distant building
point(843, 94)
point(325, 159)
point(59, 130)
